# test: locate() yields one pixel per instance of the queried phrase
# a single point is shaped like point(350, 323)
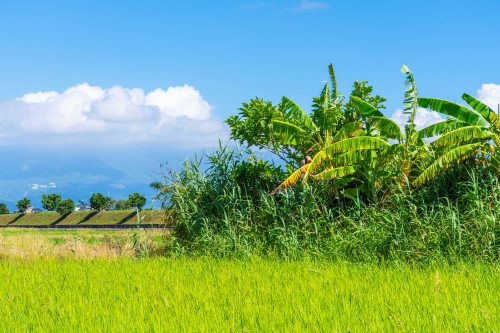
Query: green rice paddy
point(209, 295)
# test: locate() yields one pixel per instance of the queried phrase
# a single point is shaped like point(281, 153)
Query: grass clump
point(221, 208)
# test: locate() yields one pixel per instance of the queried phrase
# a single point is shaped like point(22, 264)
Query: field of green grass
point(82, 218)
point(206, 295)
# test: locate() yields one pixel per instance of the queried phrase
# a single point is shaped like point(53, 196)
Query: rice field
point(80, 286)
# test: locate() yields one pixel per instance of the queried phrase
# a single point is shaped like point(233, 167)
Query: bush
point(66, 206)
point(3, 208)
point(122, 204)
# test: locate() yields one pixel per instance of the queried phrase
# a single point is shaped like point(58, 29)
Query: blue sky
point(214, 56)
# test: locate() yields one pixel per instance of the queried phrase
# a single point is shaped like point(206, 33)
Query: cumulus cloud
point(489, 94)
point(90, 114)
point(423, 118)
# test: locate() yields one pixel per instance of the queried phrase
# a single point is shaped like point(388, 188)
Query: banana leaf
point(463, 134)
point(387, 127)
point(296, 112)
point(483, 109)
point(440, 128)
point(291, 180)
point(365, 108)
point(348, 130)
point(471, 117)
point(288, 134)
point(335, 173)
point(449, 159)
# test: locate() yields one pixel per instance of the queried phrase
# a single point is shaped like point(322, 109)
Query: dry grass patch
point(82, 244)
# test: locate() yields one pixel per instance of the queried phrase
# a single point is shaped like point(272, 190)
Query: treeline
point(54, 203)
point(355, 186)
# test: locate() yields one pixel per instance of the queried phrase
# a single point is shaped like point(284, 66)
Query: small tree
point(98, 201)
point(3, 208)
point(66, 206)
point(23, 205)
point(110, 203)
point(161, 194)
point(137, 200)
point(51, 201)
point(122, 204)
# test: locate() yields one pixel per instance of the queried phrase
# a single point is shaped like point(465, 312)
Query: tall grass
point(222, 208)
point(207, 295)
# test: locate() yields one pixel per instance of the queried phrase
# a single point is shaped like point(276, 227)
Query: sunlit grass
point(205, 295)
point(29, 244)
point(83, 218)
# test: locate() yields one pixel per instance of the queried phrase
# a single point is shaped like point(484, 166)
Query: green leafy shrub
point(66, 206)
point(122, 204)
point(3, 208)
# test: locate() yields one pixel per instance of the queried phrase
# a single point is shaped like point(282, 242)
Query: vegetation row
point(350, 183)
point(53, 202)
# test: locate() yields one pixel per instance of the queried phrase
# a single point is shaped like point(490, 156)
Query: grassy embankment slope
point(81, 218)
point(207, 295)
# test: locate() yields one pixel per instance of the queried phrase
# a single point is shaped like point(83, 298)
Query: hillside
point(82, 218)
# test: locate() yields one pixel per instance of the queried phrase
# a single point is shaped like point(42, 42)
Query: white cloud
point(90, 114)
point(38, 97)
point(308, 5)
point(423, 118)
point(489, 93)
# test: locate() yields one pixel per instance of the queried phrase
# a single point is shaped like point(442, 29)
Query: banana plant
point(466, 133)
point(364, 154)
point(342, 147)
point(308, 133)
point(402, 160)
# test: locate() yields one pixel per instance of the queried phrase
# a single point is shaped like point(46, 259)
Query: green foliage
point(386, 127)
point(466, 133)
point(253, 127)
point(66, 206)
point(441, 128)
point(122, 204)
point(361, 103)
point(364, 108)
point(362, 195)
point(455, 110)
point(51, 201)
point(410, 101)
point(289, 132)
point(463, 134)
point(136, 200)
point(3, 208)
point(98, 201)
point(156, 185)
point(450, 218)
point(23, 205)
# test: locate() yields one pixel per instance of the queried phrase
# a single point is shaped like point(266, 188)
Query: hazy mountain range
point(75, 174)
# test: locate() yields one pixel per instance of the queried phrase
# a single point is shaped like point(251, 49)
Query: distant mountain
point(27, 164)
point(74, 175)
